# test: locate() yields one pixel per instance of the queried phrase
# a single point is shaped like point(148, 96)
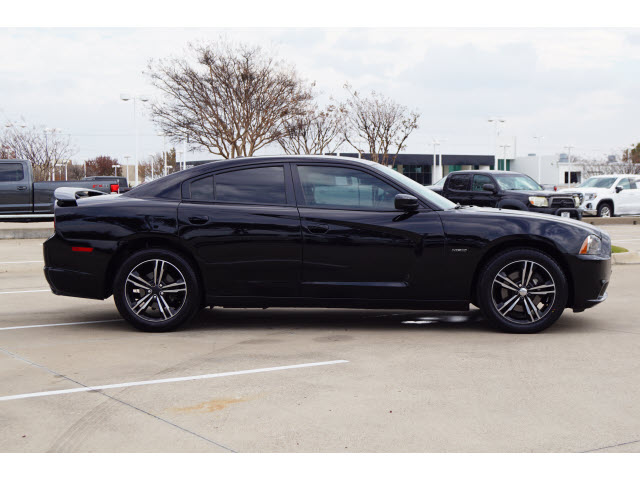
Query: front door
point(15, 190)
point(357, 245)
point(243, 226)
point(480, 196)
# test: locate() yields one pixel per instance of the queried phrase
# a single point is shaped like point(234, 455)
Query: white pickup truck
point(609, 195)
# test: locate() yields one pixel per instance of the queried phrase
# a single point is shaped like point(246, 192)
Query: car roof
point(495, 172)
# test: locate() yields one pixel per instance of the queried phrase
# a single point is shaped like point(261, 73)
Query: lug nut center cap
point(523, 292)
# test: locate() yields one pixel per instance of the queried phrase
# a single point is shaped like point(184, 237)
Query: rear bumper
point(74, 284)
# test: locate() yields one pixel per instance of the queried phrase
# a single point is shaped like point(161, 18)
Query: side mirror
point(489, 187)
point(406, 202)
point(619, 189)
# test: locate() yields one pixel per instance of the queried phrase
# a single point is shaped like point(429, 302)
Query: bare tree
point(232, 101)
point(622, 165)
point(315, 133)
point(380, 123)
point(101, 166)
point(75, 171)
point(45, 150)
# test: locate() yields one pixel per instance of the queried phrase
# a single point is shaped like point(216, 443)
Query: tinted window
point(459, 182)
point(345, 187)
point(253, 185)
point(202, 189)
point(11, 172)
point(479, 181)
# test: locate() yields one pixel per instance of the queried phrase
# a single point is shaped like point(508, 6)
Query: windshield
point(440, 182)
point(423, 191)
point(598, 182)
point(517, 182)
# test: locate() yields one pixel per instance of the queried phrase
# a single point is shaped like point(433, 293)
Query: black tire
point(605, 209)
point(530, 311)
point(168, 305)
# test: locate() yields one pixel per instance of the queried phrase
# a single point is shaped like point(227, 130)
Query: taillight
point(82, 249)
point(115, 188)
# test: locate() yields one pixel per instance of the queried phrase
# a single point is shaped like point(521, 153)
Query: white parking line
point(25, 291)
point(168, 380)
point(24, 261)
point(60, 324)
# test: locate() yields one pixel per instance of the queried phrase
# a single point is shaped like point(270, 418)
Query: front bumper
point(573, 212)
point(590, 275)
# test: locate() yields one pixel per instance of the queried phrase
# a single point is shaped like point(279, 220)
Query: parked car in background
point(21, 197)
point(315, 231)
point(609, 195)
point(508, 190)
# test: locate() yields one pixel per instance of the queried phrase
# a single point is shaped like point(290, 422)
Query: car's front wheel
point(522, 291)
point(156, 290)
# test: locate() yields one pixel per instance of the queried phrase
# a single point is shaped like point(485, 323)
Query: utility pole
point(539, 138)
point(127, 157)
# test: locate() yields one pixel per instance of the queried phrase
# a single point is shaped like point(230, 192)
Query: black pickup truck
point(509, 190)
point(21, 197)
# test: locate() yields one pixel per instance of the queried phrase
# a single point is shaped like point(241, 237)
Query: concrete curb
point(25, 233)
point(612, 220)
point(626, 258)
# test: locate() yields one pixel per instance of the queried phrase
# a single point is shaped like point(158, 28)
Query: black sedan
point(317, 232)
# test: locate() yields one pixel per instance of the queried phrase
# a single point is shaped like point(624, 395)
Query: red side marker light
point(82, 249)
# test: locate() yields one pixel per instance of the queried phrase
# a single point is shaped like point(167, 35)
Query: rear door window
point(11, 172)
point(262, 185)
point(459, 182)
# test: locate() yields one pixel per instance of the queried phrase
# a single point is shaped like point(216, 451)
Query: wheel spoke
point(166, 305)
point(140, 285)
point(144, 306)
point(161, 308)
point(545, 292)
point(161, 273)
point(534, 309)
point(140, 280)
point(506, 286)
point(546, 285)
point(508, 280)
point(526, 305)
point(528, 279)
point(512, 302)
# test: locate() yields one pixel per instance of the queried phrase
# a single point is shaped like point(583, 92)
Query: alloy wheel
point(523, 292)
point(605, 211)
point(155, 290)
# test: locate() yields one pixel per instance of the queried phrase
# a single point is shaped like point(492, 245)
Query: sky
point(578, 87)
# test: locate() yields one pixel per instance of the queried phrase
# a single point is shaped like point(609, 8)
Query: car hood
point(540, 193)
point(507, 214)
point(586, 190)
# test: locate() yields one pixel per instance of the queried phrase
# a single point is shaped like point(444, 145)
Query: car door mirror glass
point(406, 202)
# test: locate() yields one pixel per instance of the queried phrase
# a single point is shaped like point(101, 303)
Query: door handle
point(199, 220)
point(22, 187)
point(318, 228)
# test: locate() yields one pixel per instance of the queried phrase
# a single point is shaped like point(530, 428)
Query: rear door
point(459, 188)
point(244, 229)
point(15, 189)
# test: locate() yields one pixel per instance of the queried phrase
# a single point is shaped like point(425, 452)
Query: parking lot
point(313, 380)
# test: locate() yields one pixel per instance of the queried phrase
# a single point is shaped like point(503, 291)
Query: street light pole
point(125, 98)
point(496, 122)
point(435, 143)
point(504, 155)
point(539, 138)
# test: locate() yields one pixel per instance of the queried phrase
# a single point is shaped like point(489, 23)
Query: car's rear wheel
point(522, 291)
point(156, 290)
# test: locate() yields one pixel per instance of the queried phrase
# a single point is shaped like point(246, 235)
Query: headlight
point(590, 196)
point(592, 245)
point(539, 201)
